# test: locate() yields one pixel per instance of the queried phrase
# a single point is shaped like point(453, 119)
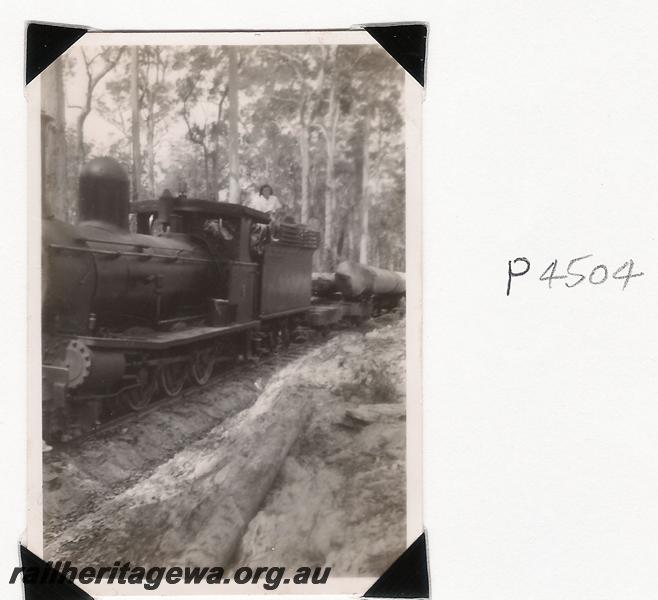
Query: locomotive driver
point(266, 201)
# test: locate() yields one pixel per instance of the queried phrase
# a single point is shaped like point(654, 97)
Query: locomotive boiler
point(100, 276)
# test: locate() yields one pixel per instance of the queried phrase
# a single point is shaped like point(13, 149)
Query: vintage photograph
point(224, 287)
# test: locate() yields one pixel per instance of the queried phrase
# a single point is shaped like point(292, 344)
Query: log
point(355, 280)
point(192, 511)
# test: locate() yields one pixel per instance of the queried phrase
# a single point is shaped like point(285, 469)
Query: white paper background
point(541, 139)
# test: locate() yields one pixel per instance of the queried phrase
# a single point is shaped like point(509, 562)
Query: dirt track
point(311, 471)
point(78, 480)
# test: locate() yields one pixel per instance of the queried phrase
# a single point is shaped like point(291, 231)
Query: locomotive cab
point(224, 231)
point(225, 227)
point(263, 270)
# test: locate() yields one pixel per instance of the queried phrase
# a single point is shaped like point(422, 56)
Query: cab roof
point(206, 207)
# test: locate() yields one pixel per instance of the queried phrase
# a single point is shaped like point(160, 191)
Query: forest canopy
point(322, 125)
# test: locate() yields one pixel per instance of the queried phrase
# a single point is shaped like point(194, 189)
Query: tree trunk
point(214, 176)
point(134, 98)
point(206, 172)
point(53, 142)
point(351, 245)
point(365, 199)
point(233, 115)
point(381, 245)
point(330, 190)
point(310, 102)
point(329, 211)
point(92, 82)
point(150, 150)
point(214, 164)
point(306, 165)
point(80, 127)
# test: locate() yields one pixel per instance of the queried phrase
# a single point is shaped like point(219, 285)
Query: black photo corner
point(49, 583)
point(406, 43)
point(44, 43)
point(408, 576)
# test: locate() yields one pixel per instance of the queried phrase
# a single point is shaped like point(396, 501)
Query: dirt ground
point(340, 498)
point(78, 480)
point(304, 466)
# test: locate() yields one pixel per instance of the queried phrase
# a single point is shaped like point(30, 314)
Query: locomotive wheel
point(273, 341)
point(140, 397)
point(202, 365)
point(172, 378)
point(285, 334)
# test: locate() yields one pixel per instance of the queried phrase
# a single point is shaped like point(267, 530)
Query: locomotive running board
point(163, 340)
point(284, 313)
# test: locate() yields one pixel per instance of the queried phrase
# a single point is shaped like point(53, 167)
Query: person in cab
point(265, 201)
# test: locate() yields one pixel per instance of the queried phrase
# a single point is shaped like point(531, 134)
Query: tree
point(341, 108)
point(97, 66)
point(307, 66)
point(53, 141)
point(321, 124)
point(202, 92)
point(233, 110)
point(134, 104)
point(329, 129)
point(365, 182)
point(377, 116)
point(155, 101)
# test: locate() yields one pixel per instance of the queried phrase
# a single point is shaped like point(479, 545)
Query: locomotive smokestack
point(104, 192)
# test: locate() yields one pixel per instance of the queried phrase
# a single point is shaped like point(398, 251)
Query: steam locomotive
point(131, 314)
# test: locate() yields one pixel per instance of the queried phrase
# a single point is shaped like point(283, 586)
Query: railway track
point(258, 368)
